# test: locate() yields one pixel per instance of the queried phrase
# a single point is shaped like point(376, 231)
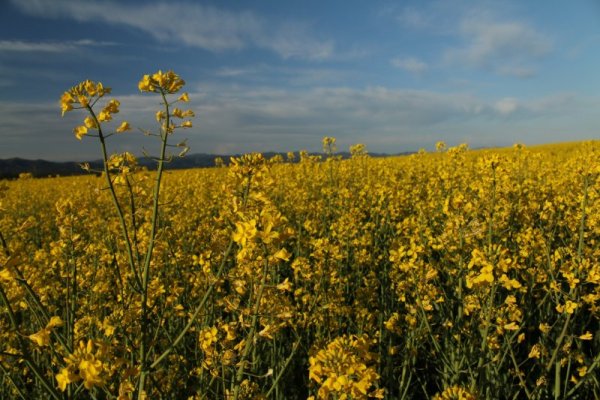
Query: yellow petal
point(285, 285)
point(54, 321)
point(188, 113)
point(124, 127)
point(83, 100)
point(104, 116)
point(80, 131)
point(6, 275)
point(41, 338)
point(90, 123)
point(282, 254)
point(63, 379)
point(145, 85)
point(511, 327)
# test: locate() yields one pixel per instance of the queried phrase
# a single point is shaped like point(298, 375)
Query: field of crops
point(454, 274)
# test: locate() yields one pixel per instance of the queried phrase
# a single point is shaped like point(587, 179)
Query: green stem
point(196, 311)
point(4, 245)
point(36, 300)
point(25, 353)
point(285, 365)
point(10, 378)
point(148, 259)
point(250, 339)
point(584, 202)
point(559, 342)
point(134, 225)
point(116, 203)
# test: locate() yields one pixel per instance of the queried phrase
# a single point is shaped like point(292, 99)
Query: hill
point(12, 167)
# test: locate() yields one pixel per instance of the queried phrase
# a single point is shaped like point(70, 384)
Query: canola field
point(454, 274)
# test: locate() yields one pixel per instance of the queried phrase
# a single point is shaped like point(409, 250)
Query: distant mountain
point(12, 167)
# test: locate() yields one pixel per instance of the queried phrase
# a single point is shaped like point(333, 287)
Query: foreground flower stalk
point(85, 96)
point(164, 84)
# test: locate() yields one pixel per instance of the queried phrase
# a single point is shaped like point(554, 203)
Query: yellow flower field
point(456, 274)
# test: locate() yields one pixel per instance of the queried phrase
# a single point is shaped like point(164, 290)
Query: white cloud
point(286, 75)
point(413, 18)
point(196, 25)
point(48, 47)
point(505, 47)
point(242, 118)
point(506, 106)
point(294, 41)
point(410, 64)
point(238, 118)
point(489, 37)
point(435, 17)
point(228, 72)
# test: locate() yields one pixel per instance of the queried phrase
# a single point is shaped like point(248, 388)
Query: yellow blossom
point(65, 377)
point(41, 338)
point(124, 127)
point(54, 322)
point(90, 123)
point(283, 254)
point(80, 131)
point(569, 307)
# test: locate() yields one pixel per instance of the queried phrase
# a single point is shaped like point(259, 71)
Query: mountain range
point(11, 168)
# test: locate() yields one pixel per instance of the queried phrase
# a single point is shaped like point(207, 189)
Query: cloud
point(413, 18)
point(241, 118)
point(506, 105)
point(434, 17)
point(293, 40)
point(197, 25)
point(505, 47)
point(410, 64)
point(48, 47)
point(228, 72)
point(285, 75)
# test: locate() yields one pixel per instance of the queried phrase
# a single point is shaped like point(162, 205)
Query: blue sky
point(280, 75)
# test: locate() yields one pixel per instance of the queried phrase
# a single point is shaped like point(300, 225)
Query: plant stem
point(115, 199)
point(148, 259)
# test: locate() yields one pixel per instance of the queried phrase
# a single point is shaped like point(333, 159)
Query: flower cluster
point(167, 82)
point(346, 369)
point(86, 94)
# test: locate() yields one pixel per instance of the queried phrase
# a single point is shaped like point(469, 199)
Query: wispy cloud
point(233, 119)
point(229, 72)
point(507, 47)
point(197, 25)
point(506, 105)
point(386, 119)
point(410, 64)
point(412, 18)
point(48, 47)
point(286, 75)
point(433, 17)
point(294, 40)
point(489, 36)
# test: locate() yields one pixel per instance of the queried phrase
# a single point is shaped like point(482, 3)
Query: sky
point(280, 75)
